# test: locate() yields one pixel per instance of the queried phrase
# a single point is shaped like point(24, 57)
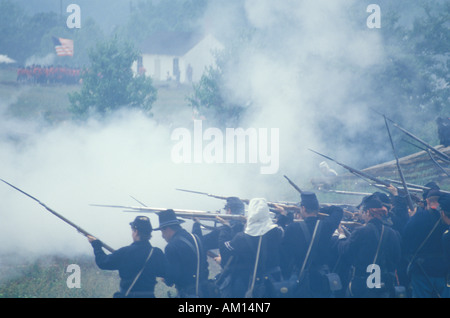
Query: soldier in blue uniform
point(422, 240)
point(187, 266)
point(211, 240)
point(373, 243)
point(444, 203)
point(297, 239)
point(139, 264)
point(253, 254)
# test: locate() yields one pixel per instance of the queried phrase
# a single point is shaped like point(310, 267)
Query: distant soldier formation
point(50, 74)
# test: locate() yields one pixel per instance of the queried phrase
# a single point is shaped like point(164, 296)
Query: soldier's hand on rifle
point(91, 238)
point(393, 190)
point(412, 212)
point(224, 222)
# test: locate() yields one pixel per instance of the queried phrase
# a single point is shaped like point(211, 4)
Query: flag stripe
point(63, 47)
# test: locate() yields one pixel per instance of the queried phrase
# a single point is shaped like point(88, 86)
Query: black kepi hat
point(309, 201)
point(142, 224)
point(167, 218)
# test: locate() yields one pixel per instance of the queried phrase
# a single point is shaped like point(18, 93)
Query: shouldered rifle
point(79, 229)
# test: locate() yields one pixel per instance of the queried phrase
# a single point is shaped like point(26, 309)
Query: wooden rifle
point(188, 214)
point(272, 205)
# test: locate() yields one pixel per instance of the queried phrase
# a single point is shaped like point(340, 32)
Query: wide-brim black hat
point(167, 218)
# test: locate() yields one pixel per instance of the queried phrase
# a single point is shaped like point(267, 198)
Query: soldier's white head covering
point(259, 221)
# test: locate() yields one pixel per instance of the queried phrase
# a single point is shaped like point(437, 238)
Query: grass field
point(51, 277)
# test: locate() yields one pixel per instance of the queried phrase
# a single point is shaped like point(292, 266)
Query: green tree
point(210, 101)
point(109, 84)
point(211, 98)
point(20, 34)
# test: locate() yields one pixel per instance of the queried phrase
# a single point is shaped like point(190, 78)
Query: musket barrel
point(78, 228)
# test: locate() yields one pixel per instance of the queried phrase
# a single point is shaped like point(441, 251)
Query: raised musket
point(355, 171)
point(293, 184)
point(79, 229)
point(437, 163)
point(431, 157)
point(246, 201)
point(405, 187)
point(345, 192)
point(442, 155)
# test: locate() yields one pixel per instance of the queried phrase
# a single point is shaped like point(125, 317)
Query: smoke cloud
point(300, 71)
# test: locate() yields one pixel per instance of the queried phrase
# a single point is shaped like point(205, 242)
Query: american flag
point(63, 47)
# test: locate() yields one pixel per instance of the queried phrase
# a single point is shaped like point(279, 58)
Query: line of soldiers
point(50, 74)
point(394, 252)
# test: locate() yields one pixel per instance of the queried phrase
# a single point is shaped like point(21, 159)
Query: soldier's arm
point(106, 261)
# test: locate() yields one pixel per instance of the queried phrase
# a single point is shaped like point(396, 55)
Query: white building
point(177, 56)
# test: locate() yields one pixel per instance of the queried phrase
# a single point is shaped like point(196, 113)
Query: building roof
point(170, 43)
